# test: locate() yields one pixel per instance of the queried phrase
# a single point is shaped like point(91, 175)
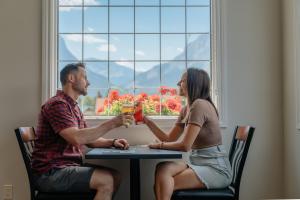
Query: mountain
point(122, 77)
point(172, 71)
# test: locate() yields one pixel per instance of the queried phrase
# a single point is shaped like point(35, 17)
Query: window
point(133, 50)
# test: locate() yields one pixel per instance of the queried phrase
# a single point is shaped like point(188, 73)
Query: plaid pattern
point(51, 150)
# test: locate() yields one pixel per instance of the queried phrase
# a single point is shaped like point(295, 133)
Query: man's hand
point(121, 144)
point(122, 119)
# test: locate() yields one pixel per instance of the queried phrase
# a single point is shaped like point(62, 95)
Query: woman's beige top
point(202, 113)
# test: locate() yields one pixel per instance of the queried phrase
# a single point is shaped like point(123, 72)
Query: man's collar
point(67, 97)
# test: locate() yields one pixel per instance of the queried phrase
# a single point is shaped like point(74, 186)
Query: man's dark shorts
point(69, 179)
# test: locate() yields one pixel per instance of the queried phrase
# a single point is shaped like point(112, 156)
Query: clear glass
point(173, 47)
point(121, 74)
point(96, 20)
point(171, 73)
point(147, 19)
point(95, 47)
point(121, 47)
point(70, 47)
point(97, 74)
point(147, 74)
point(198, 47)
point(70, 20)
point(173, 19)
point(121, 19)
point(147, 47)
point(198, 19)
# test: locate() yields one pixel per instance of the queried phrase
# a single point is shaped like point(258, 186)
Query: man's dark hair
point(198, 86)
point(69, 68)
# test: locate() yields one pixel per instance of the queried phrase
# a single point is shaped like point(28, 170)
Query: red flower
point(142, 97)
point(173, 104)
point(155, 97)
point(100, 109)
point(113, 95)
point(127, 97)
point(163, 90)
point(173, 91)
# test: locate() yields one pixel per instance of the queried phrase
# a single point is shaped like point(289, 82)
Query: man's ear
point(71, 78)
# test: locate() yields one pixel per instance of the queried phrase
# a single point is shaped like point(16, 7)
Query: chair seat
point(212, 194)
point(65, 196)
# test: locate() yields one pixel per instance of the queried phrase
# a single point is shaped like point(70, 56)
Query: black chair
point(26, 137)
point(237, 156)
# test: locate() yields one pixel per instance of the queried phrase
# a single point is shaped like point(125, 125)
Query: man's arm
point(101, 142)
point(78, 136)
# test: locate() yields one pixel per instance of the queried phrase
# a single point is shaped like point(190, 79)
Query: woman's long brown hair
point(198, 86)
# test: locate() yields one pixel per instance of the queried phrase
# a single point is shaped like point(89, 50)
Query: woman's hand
point(121, 144)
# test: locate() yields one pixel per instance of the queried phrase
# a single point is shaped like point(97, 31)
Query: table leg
point(135, 179)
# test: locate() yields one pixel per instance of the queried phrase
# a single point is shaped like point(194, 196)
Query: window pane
point(97, 74)
point(101, 104)
point(147, 47)
point(70, 2)
point(70, 47)
point(147, 20)
point(150, 99)
point(95, 46)
point(70, 20)
point(171, 73)
point(116, 98)
point(87, 103)
point(198, 19)
point(198, 2)
point(172, 2)
point(173, 46)
point(96, 20)
point(95, 2)
point(147, 74)
point(121, 74)
point(198, 47)
point(121, 20)
point(121, 2)
point(121, 47)
point(205, 65)
point(173, 20)
point(147, 2)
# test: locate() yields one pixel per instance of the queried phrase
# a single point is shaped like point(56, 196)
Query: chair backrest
point(238, 153)
point(26, 137)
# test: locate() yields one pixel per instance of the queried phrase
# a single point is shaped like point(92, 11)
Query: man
point(61, 135)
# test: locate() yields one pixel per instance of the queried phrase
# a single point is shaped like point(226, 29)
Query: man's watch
point(113, 142)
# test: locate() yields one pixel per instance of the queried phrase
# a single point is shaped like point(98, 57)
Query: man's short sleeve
point(60, 116)
point(198, 112)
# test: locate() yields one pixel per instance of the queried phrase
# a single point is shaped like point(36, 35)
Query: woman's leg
point(164, 182)
point(187, 179)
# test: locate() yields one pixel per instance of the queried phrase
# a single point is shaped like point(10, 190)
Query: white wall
point(291, 84)
point(254, 92)
point(20, 71)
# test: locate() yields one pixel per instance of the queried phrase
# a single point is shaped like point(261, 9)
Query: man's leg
point(105, 181)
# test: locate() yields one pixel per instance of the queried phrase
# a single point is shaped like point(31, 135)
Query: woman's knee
point(162, 167)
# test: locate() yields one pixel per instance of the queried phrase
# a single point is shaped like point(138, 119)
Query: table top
point(134, 152)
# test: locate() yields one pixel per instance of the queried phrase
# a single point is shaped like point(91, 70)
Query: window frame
point(218, 57)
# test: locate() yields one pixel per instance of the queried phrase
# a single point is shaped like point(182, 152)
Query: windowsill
point(162, 121)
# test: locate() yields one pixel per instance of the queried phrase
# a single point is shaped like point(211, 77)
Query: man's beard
point(80, 90)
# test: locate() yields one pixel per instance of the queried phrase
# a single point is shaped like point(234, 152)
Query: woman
point(208, 165)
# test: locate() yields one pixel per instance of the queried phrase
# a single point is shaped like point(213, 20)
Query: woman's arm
point(190, 134)
point(161, 135)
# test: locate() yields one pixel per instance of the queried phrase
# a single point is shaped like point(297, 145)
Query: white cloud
point(77, 2)
point(90, 29)
point(92, 39)
point(180, 49)
point(68, 9)
point(126, 64)
point(140, 53)
point(74, 38)
point(104, 47)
